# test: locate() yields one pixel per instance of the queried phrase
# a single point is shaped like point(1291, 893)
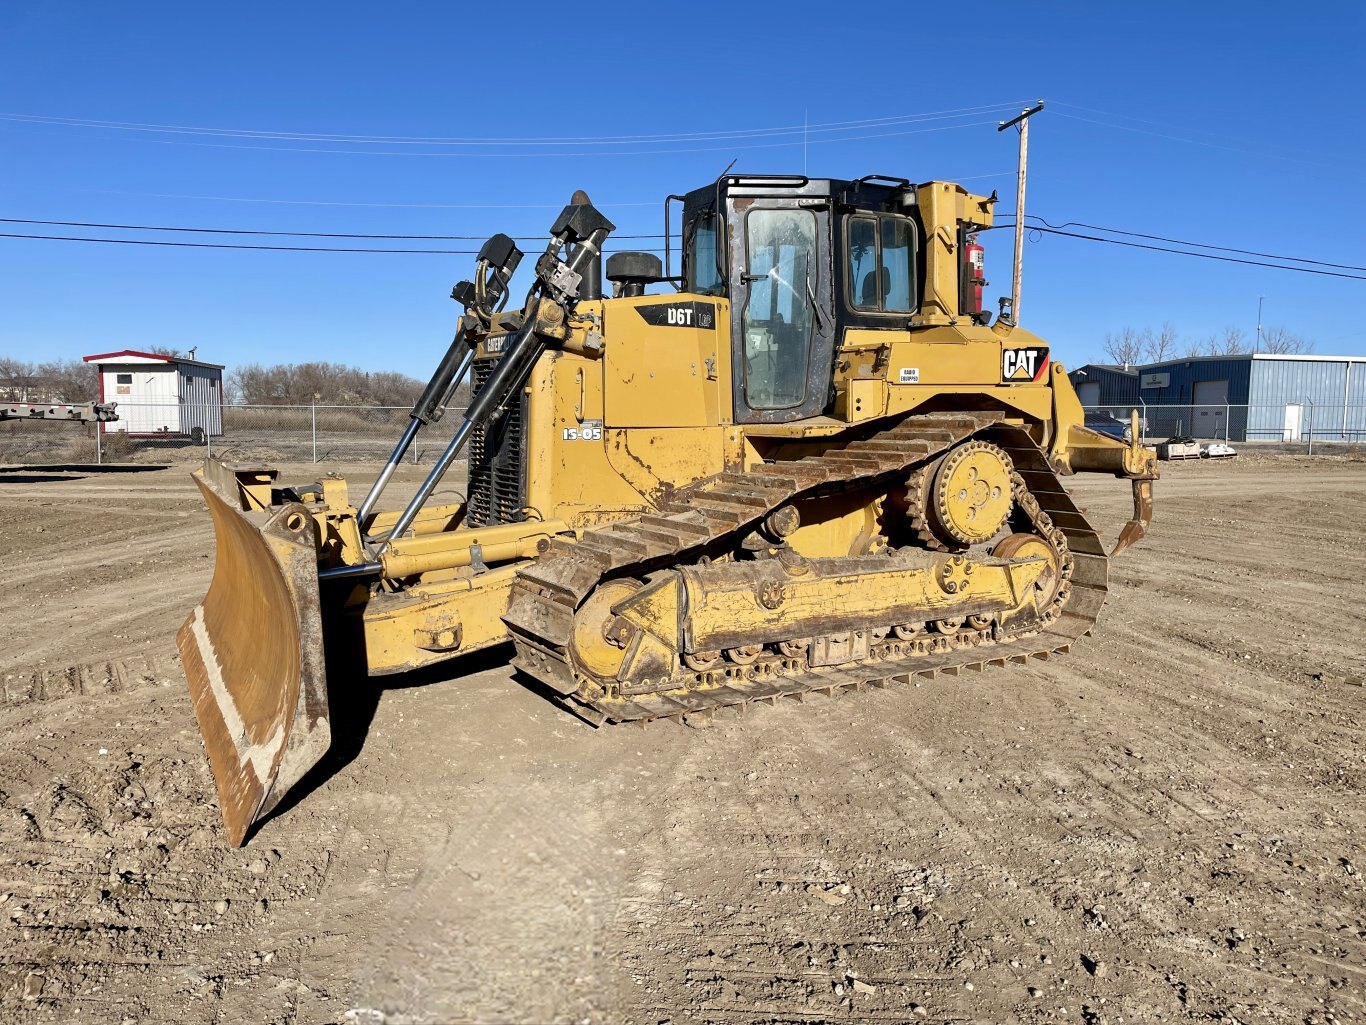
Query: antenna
point(1022, 119)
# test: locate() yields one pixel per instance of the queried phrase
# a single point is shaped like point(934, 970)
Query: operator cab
point(801, 260)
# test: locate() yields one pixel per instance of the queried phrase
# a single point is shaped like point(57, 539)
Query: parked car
point(1102, 422)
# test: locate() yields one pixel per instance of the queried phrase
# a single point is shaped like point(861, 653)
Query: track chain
point(697, 519)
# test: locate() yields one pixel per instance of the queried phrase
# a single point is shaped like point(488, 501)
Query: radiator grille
point(497, 485)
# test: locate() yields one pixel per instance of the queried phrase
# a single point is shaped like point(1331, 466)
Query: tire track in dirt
point(990, 829)
point(118, 893)
point(1085, 916)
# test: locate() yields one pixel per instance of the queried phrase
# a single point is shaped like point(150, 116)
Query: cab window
point(778, 316)
point(699, 256)
point(881, 263)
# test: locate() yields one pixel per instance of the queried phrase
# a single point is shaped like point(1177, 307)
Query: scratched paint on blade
point(260, 757)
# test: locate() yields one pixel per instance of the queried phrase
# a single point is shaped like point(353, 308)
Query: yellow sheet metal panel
point(943, 207)
point(468, 611)
point(865, 400)
point(889, 372)
point(947, 355)
point(662, 361)
point(654, 461)
point(950, 359)
point(569, 475)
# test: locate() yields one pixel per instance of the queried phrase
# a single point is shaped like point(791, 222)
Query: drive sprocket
point(961, 499)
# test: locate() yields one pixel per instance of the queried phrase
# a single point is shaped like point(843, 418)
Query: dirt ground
point(1165, 825)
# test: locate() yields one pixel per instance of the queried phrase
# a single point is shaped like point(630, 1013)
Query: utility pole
point(1257, 346)
point(1022, 120)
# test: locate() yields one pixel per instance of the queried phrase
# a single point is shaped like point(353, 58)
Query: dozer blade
point(253, 657)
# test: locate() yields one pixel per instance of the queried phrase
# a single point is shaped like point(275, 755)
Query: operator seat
point(868, 293)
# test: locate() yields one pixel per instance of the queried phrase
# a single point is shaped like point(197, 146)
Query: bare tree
point(1280, 341)
point(328, 383)
point(1132, 346)
point(1159, 346)
point(165, 350)
point(16, 378)
point(70, 380)
point(1124, 347)
point(1232, 341)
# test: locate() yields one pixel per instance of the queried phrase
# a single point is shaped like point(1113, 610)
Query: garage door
point(1089, 393)
point(1208, 409)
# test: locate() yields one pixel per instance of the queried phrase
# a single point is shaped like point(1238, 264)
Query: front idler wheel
point(1031, 546)
point(600, 639)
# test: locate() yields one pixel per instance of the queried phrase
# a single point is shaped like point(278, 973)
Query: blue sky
point(1236, 125)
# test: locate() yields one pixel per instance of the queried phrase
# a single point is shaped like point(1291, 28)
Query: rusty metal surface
point(253, 658)
point(1135, 530)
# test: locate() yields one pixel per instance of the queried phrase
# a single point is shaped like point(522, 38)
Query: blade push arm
point(576, 239)
point(498, 260)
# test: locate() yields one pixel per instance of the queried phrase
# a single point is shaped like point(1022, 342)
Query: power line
point(603, 153)
point(1186, 252)
point(386, 206)
point(607, 140)
point(471, 252)
point(538, 238)
point(1197, 245)
point(286, 234)
point(233, 245)
point(238, 245)
point(419, 206)
point(1155, 124)
point(1194, 142)
point(1047, 229)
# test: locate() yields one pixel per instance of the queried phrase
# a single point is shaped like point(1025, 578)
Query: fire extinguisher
point(974, 266)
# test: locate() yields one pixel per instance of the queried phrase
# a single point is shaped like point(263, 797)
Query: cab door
point(782, 319)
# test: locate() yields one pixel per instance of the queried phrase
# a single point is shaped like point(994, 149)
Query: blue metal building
point(1251, 397)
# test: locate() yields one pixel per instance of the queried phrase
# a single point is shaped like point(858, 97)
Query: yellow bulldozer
point(808, 462)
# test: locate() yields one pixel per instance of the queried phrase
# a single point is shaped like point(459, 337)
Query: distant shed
point(1246, 397)
point(161, 395)
point(1102, 384)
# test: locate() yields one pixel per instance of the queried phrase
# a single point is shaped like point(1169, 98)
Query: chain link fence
point(182, 432)
point(1293, 426)
point(149, 432)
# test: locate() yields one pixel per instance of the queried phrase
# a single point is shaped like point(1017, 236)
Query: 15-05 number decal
point(589, 430)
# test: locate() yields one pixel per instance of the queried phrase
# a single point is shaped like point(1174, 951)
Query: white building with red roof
point(161, 395)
